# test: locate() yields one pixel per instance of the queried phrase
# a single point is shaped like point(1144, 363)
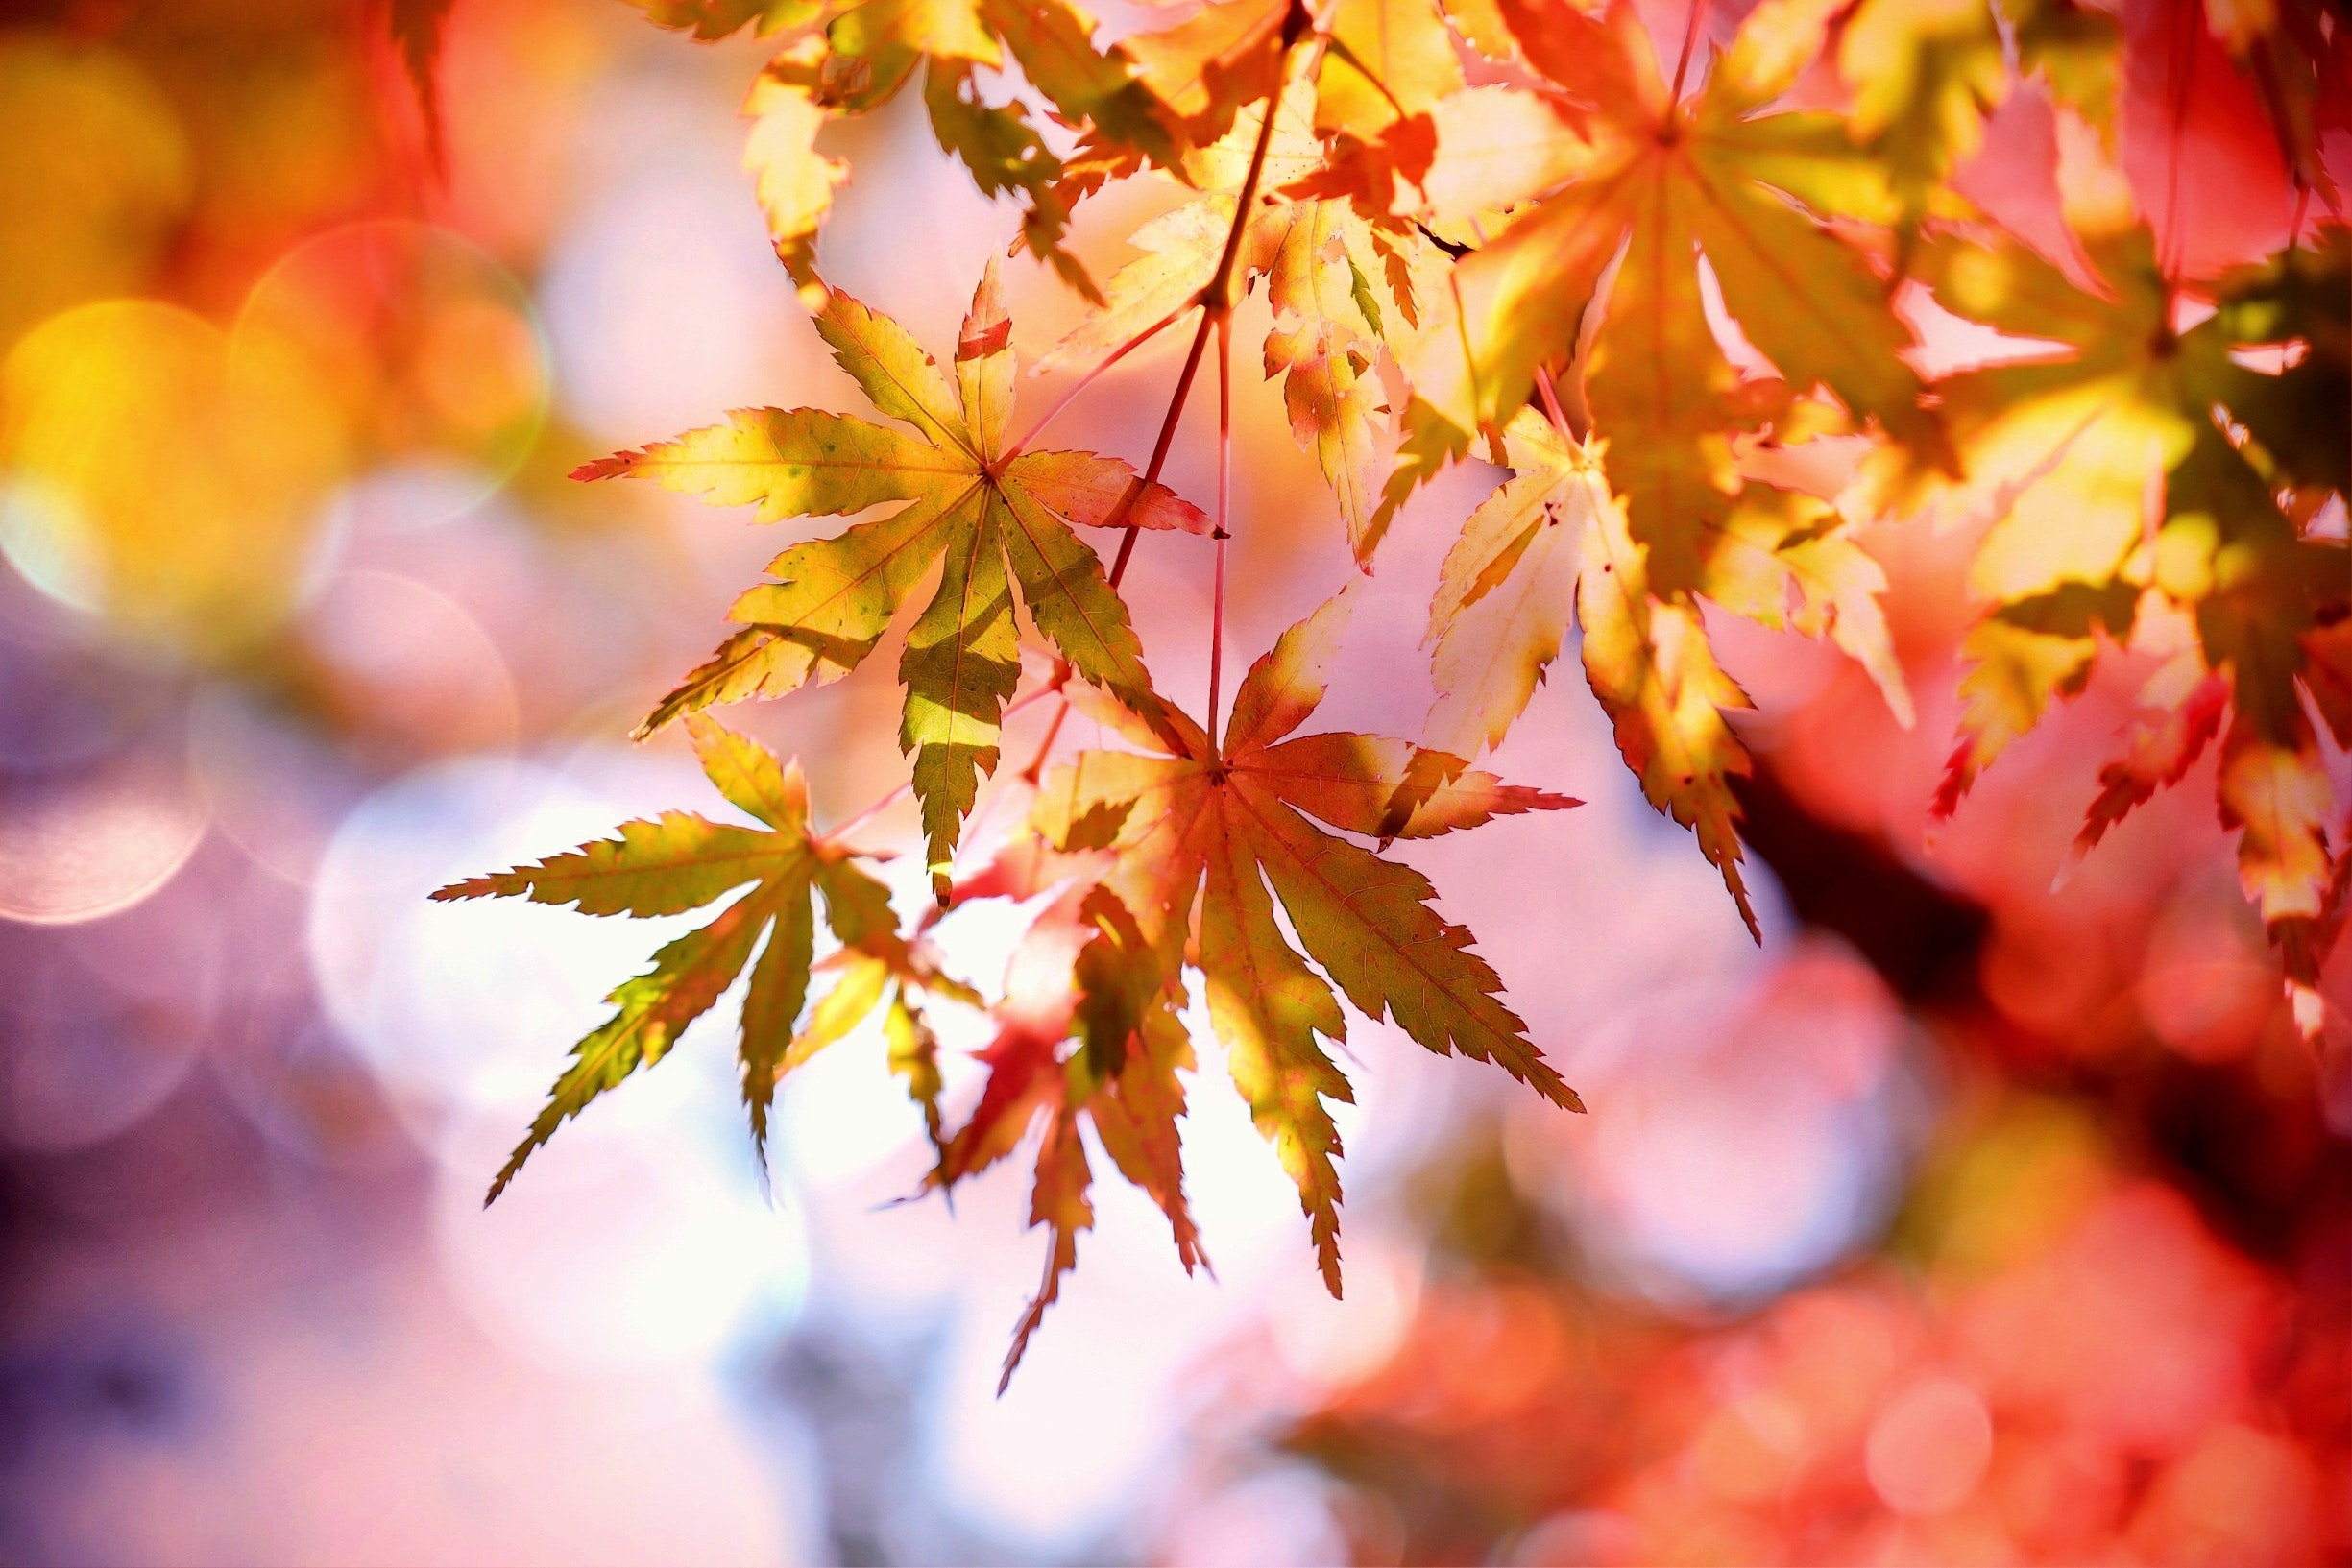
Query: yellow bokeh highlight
point(424, 344)
point(97, 173)
point(151, 476)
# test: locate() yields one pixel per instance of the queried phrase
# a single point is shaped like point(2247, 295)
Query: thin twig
point(1224, 497)
point(1690, 37)
point(2184, 75)
point(1088, 379)
point(1545, 373)
point(1216, 300)
point(1160, 450)
point(1216, 303)
point(859, 818)
point(1036, 771)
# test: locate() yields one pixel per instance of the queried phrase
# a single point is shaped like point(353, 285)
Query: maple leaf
point(795, 182)
point(683, 861)
point(1508, 587)
point(1388, 64)
point(1000, 520)
point(2061, 448)
point(1923, 76)
point(850, 59)
point(1378, 68)
point(1088, 1032)
point(1216, 61)
point(2300, 59)
point(2161, 749)
point(2071, 50)
point(712, 19)
point(1618, 165)
point(2067, 446)
point(1927, 73)
point(1628, 175)
point(1552, 541)
point(1631, 173)
point(1003, 153)
point(1217, 825)
point(1318, 258)
point(1052, 41)
point(1648, 662)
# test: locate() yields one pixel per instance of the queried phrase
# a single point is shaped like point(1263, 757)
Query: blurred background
point(1971, 1219)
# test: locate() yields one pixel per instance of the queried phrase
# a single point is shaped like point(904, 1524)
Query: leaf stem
point(1036, 771)
point(1088, 379)
point(1218, 295)
point(2171, 242)
point(1216, 299)
point(1159, 450)
point(859, 818)
point(1690, 37)
point(1058, 685)
point(1225, 496)
point(1544, 373)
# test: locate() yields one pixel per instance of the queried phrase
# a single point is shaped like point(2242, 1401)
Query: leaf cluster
point(1676, 289)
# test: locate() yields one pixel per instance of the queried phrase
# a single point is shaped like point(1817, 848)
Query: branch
point(1216, 300)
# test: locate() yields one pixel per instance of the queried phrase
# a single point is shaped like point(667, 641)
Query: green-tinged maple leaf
point(1618, 168)
point(2073, 51)
point(1924, 74)
point(873, 47)
point(1623, 173)
point(1218, 825)
point(1004, 154)
point(847, 58)
point(712, 19)
point(1341, 290)
point(1052, 43)
point(2062, 448)
point(683, 861)
point(997, 523)
point(1927, 73)
point(2066, 448)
